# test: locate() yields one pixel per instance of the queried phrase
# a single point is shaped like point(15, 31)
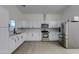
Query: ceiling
point(53, 9)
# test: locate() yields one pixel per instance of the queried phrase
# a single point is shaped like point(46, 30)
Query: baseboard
point(33, 40)
point(41, 41)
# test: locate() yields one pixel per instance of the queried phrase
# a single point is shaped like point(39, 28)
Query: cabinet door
point(19, 40)
point(53, 36)
point(24, 36)
point(12, 42)
point(36, 24)
point(36, 35)
point(26, 24)
point(30, 35)
point(33, 35)
point(17, 43)
point(30, 24)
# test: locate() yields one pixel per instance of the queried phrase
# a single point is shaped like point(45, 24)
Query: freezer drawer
point(73, 35)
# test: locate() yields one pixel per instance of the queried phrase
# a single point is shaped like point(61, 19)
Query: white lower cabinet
point(12, 42)
point(30, 36)
point(33, 35)
point(20, 40)
point(15, 41)
point(53, 36)
point(36, 35)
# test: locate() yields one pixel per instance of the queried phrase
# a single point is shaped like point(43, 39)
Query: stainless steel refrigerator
point(70, 34)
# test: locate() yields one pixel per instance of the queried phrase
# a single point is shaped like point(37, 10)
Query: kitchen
point(30, 23)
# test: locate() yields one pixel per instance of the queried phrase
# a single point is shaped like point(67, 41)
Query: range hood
point(44, 17)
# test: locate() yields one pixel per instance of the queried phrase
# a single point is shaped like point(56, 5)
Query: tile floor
point(44, 48)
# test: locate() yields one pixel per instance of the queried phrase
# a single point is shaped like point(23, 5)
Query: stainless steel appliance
point(69, 34)
point(45, 32)
point(44, 26)
point(62, 35)
point(45, 35)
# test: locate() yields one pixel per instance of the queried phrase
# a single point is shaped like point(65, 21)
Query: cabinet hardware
point(21, 37)
point(18, 38)
point(32, 35)
point(15, 40)
point(12, 38)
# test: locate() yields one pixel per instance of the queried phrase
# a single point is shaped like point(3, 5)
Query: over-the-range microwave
point(44, 25)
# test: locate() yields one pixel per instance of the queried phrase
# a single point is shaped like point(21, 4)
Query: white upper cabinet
point(36, 23)
point(53, 24)
point(4, 17)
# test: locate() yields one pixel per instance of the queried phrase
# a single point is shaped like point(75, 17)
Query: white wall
point(4, 34)
point(70, 12)
point(13, 11)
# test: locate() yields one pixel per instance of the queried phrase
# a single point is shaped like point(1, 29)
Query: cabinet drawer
point(12, 42)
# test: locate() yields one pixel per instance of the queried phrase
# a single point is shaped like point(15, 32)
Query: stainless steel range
point(45, 32)
point(45, 35)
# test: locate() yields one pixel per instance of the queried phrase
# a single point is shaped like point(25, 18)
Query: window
point(12, 23)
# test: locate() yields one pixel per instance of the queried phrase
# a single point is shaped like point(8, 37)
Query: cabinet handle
point(15, 40)
point(32, 35)
point(21, 37)
point(12, 38)
point(18, 38)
